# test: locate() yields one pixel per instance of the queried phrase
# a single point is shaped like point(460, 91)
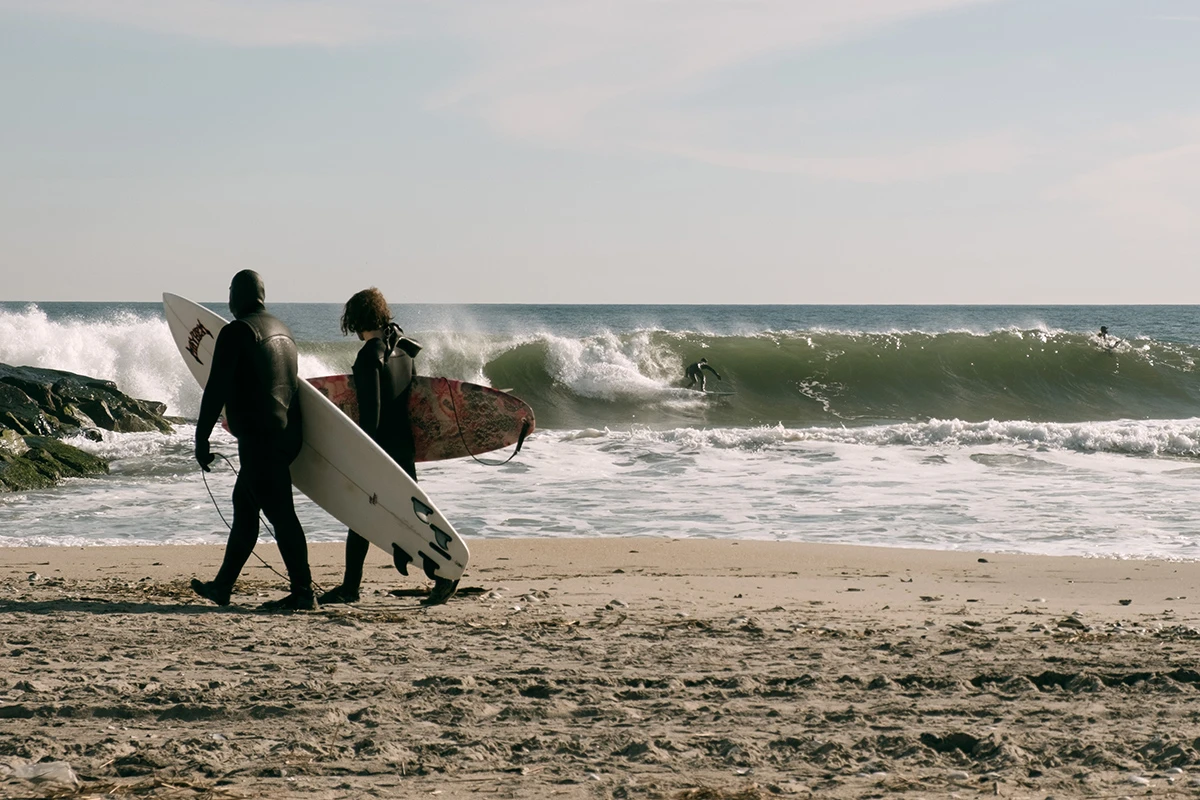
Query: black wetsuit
point(254, 377)
point(382, 378)
point(695, 373)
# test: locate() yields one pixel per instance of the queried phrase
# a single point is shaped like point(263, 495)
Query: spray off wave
point(134, 351)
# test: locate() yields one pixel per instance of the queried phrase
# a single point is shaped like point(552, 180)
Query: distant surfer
point(383, 373)
point(254, 378)
point(1109, 341)
point(695, 373)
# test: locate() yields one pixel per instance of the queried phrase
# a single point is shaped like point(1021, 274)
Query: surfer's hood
point(247, 293)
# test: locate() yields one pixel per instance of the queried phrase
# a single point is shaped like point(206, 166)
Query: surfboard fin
point(421, 510)
point(430, 566)
point(401, 559)
point(443, 541)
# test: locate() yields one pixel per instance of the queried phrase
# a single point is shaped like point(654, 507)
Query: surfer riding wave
point(695, 374)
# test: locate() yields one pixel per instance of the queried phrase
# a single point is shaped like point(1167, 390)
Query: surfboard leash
point(261, 518)
point(458, 424)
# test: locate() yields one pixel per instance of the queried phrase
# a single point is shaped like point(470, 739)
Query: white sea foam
point(134, 352)
point(766, 484)
point(604, 366)
point(609, 367)
point(461, 354)
point(1172, 438)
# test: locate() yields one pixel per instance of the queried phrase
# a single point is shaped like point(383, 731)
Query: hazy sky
point(633, 151)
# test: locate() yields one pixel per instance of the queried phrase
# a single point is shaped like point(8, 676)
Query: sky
point(602, 151)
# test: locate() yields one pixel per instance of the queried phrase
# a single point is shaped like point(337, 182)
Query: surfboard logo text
point(196, 335)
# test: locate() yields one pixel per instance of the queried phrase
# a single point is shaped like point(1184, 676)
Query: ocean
point(976, 428)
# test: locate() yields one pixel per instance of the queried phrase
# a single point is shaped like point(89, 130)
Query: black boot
point(339, 594)
point(443, 589)
point(211, 590)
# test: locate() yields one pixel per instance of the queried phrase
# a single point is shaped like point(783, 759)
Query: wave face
point(580, 379)
point(821, 378)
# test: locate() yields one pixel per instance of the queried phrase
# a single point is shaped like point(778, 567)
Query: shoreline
point(1052, 581)
point(615, 667)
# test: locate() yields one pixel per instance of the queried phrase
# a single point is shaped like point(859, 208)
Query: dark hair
point(365, 311)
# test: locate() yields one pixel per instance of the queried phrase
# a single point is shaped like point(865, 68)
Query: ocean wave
point(798, 378)
point(814, 378)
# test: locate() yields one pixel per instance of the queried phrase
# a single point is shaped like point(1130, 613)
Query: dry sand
point(605, 668)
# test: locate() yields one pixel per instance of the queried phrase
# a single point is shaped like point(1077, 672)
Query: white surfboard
point(340, 468)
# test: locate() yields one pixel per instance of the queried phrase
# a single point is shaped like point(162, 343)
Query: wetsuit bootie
point(443, 589)
point(296, 601)
point(211, 590)
point(339, 594)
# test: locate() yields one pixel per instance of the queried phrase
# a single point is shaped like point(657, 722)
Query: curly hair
point(365, 311)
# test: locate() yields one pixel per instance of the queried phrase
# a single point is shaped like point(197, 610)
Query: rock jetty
point(41, 407)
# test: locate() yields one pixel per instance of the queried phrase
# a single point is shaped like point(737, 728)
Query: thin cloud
point(582, 74)
point(993, 154)
point(243, 23)
point(1154, 190)
point(557, 70)
point(605, 76)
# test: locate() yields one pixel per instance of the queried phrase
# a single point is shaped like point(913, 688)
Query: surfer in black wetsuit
point(695, 372)
point(254, 378)
point(383, 373)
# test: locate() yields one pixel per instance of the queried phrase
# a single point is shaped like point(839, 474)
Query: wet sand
point(597, 668)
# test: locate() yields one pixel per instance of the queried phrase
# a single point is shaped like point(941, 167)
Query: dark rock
point(67, 400)
point(39, 406)
point(12, 444)
point(20, 413)
point(21, 474)
point(46, 462)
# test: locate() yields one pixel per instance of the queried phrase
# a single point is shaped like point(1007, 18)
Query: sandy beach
point(604, 668)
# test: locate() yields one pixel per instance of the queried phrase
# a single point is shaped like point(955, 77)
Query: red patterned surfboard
point(450, 419)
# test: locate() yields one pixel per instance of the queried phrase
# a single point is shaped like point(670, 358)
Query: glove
point(203, 456)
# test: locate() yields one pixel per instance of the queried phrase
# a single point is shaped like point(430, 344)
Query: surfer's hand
point(203, 456)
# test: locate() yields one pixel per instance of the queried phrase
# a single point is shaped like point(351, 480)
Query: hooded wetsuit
point(254, 378)
point(383, 375)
